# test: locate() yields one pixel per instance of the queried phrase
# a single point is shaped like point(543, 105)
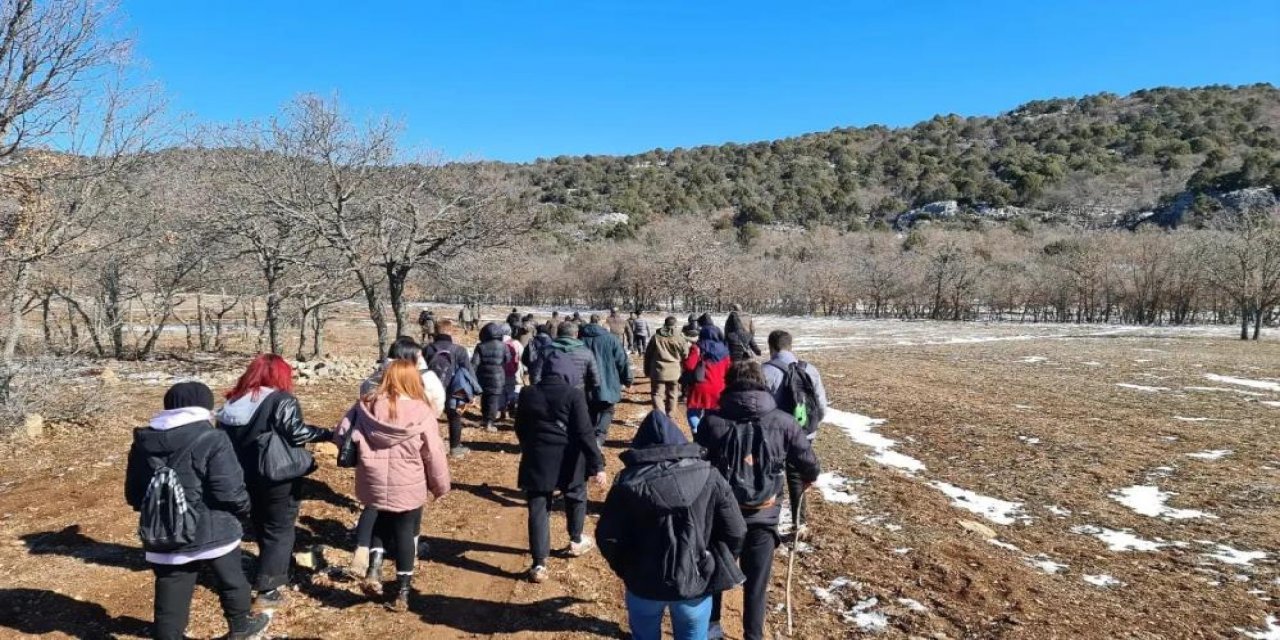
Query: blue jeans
point(690, 618)
point(695, 418)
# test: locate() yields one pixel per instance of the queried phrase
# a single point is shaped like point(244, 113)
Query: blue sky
point(525, 79)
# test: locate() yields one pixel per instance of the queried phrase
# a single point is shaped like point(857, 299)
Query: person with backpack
point(400, 463)
point(514, 370)
point(663, 364)
point(615, 372)
point(704, 372)
point(797, 389)
point(445, 358)
point(639, 333)
point(185, 481)
point(671, 529)
point(264, 421)
point(752, 443)
point(489, 360)
point(558, 451)
point(742, 344)
point(569, 357)
point(532, 356)
point(427, 322)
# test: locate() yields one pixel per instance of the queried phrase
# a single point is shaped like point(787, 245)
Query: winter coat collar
point(172, 418)
point(239, 412)
point(666, 332)
point(660, 453)
point(746, 404)
point(784, 358)
point(567, 344)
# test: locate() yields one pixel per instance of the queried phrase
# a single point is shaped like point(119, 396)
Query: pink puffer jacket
point(401, 460)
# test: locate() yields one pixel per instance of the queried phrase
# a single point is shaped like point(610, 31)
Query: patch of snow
point(1270, 632)
point(867, 619)
point(1232, 556)
point(1213, 454)
point(1118, 540)
point(1142, 388)
point(833, 487)
point(1004, 545)
point(902, 551)
point(1185, 419)
point(1033, 360)
point(1091, 364)
point(913, 605)
point(1102, 580)
point(1058, 511)
point(1271, 403)
point(1024, 407)
point(1149, 500)
point(859, 429)
point(1243, 382)
point(1029, 439)
point(993, 509)
point(1224, 389)
point(1045, 564)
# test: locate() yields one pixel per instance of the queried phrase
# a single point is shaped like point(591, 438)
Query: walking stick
point(791, 562)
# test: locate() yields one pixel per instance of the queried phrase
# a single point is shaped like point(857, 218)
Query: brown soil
point(71, 568)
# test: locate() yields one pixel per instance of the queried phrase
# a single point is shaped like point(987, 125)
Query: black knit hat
point(188, 394)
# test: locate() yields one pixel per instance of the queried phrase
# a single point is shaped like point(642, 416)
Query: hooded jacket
point(402, 460)
point(665, 355)
point(558, 448)
point(580, 371)
point(612, 363)
point(210, 476)
point(741, 406)
point(741, 341)
point(247, 417)
point(532, 356)
point(490, 359)
point(670, 527)
point(432, 384)
point(705, 395)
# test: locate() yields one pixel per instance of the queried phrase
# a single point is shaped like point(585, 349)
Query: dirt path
point(71, 567)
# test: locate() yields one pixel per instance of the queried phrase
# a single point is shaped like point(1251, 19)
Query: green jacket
point(611, 362)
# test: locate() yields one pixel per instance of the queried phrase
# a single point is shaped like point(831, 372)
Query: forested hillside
point(1091, 159)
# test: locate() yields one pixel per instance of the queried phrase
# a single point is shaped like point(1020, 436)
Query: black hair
point(404, 348)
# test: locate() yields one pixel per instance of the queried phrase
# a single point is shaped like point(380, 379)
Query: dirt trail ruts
point(71, 565)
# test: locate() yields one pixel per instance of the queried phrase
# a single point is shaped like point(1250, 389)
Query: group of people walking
point(684, 522)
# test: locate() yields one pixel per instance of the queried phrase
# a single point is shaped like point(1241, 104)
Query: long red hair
point(266, 370)
point(400, 380)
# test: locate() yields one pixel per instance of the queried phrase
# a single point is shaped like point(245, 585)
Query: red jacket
point(705, 395)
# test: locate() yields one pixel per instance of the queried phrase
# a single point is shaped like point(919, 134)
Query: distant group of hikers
point(683, 522)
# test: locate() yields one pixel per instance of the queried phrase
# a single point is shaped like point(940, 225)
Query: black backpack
point(749, 466)
point(799, 396)
point(167, 521)
point(442, 365)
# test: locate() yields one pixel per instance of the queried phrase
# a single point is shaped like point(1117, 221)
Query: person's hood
point(662, 476)
point(656, 429)
point(239, 412)
point(592, 331)
point(660, 453)
point(491, 331)
point(171, 418)
point(162, 442)
point(543, 339)
point(746, 404)
point(784, 358)
point(666, 332)
point(567, 344)
point(380, 431)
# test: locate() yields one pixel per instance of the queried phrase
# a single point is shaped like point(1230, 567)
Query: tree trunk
point(376, 313)
point(1257, 323)
point(14, 333)
point(302, 334)
point(317, 331)
point(1244, 321)
point(396, 278)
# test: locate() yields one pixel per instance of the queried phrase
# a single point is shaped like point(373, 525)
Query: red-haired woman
point(401, 464)
point(263, 401)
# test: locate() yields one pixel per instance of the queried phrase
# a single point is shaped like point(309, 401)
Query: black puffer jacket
point(490, 359)
point(670, 526)
point(743, 405)
point(741, 346)
point(244, 419)
point(211, 479)
point(558, 447)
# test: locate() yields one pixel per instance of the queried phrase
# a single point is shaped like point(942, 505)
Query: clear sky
point(538, 78)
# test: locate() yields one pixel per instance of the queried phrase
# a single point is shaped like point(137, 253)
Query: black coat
point(558, 447)
point(742, 346)
point(670, 526)
point(445, 343)
point(279, 411)
point(785, 439)
point(210, 477)
point(490, 359)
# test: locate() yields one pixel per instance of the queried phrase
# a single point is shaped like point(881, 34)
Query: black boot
point(247, 627)
point(400, 602)
point(373, 577)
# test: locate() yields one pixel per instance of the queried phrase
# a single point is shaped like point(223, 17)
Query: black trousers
point(397, 533)
point(601, 417)
point(757, 565)
point(273, 513)
point(491, 404)
point(175, 584)
point(455, 427)
point(575, 507)
point(795, 488)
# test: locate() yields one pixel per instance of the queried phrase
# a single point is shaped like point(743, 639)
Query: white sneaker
point(582, 548)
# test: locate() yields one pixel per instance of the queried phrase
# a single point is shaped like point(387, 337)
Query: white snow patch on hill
point(859, 429)
point(1243, 382)
point(1229, 555)
point(1270, 632)
point(1149, 500)
point(1118, 540)
point(1213, 454)
point(993, 509)
point(1102, 580)
point(834, 489)
point(1142, 388)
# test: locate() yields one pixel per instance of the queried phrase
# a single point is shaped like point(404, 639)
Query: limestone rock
point(33, 425)
point(978, 528)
